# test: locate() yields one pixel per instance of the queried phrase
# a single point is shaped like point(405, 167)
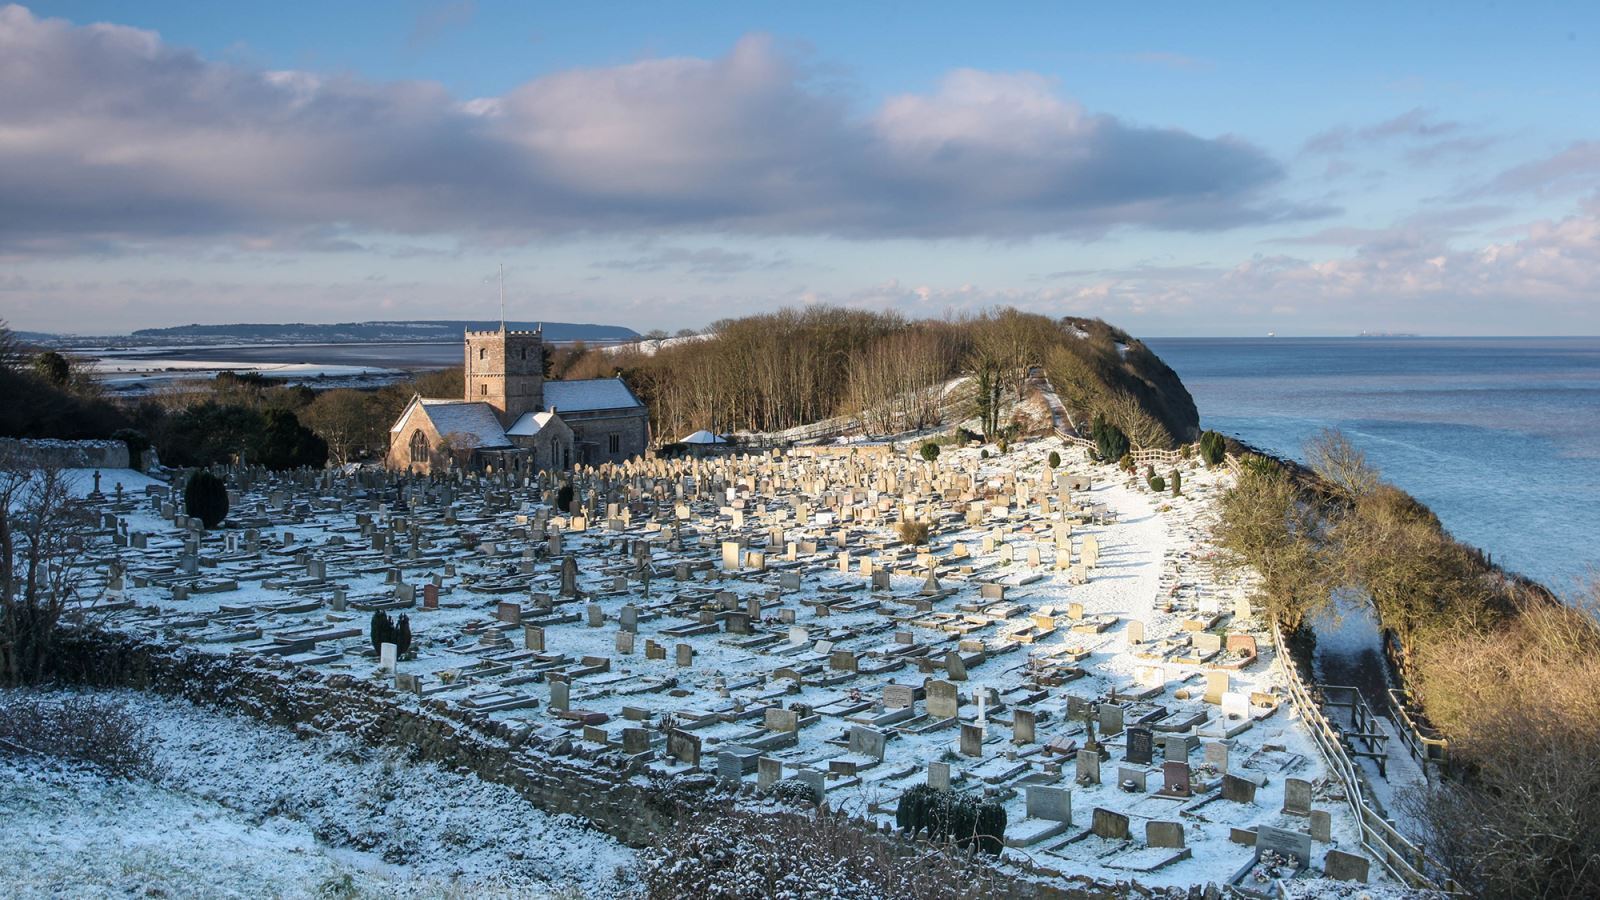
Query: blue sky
point(1173, 168)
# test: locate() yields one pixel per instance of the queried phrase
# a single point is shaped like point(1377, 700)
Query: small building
point(511, 418)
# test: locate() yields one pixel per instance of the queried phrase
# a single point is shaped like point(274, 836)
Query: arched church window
point(419, 446)
point(483, 353)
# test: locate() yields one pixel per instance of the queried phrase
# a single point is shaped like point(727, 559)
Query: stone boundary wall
point(69, 454)
point(557, 775)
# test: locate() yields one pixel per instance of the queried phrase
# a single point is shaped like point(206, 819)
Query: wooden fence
point(1393, 850)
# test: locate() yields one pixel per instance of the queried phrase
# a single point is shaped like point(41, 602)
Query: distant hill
point(368, 332)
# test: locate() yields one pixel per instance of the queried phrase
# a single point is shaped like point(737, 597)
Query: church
point(512, 419)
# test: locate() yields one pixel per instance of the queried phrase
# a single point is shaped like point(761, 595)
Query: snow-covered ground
point(1156, 567)
point(240, 809)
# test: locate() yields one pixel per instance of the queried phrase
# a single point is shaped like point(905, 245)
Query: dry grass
point(913, 533)
point(1522, 709)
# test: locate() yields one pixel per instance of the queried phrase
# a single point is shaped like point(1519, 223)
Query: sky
point(1174, 168)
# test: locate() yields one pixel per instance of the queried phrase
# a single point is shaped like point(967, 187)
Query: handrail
point(1395, 852)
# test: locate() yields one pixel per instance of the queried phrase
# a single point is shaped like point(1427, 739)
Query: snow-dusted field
point(239, 809)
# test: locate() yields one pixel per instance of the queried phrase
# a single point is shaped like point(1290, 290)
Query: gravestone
point(1164, 834)
point(685, 656)
point(943, 699)
point(387, 654)
point(769, 772)
point(560, 692)
point(1217, 684)
point(972, 740)
point(635, 740)
point(1023, 723)
point(1288, 844)
point(1175, 749)
point(1133, 779)
point(955, 667)
point(1296, 797)
point(1321, 825)
point(1216, 755)
point(509, 613)
point(1053, 804)
point(1342, 866)
point(1175, 780)
point(899, 696)
point(1109, 825)
point(867, 741)
point(533, 638)
point(1110, 719)
point(735, 762)
point(776, 718)
point(683, 746)
point(1239, 790)
point(1088, 767)
point(939, 776)
point(1135, 632)
point(1141, 747)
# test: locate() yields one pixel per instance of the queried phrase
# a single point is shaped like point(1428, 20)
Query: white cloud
point(111, 139)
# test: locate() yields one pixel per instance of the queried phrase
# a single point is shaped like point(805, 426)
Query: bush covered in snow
point(78, 727)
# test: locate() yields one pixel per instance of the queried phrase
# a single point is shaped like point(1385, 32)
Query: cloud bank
point(111, 139)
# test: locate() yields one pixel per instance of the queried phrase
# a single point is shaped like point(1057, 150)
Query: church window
point(615, 443)
point(419, 446)
point(483, 353)
point(483, 390)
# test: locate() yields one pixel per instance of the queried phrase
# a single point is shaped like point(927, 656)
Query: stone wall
point(69, 454)
point(557, 775)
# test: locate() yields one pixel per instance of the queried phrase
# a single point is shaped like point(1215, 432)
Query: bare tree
point(41, 535)
point(1340, 463)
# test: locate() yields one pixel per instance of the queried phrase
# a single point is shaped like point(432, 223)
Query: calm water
point(1499, 436)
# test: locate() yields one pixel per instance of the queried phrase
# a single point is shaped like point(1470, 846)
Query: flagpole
point(502, 296)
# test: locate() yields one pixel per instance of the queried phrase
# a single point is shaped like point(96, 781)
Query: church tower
point(505, 369)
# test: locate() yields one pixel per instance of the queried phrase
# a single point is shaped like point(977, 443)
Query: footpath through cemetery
point(1061, 643)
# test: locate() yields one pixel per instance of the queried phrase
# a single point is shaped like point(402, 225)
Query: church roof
point(589, 394)
point(530, 423)
point(470, 418)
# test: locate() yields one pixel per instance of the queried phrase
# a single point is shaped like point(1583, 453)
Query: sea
point(1500, 437)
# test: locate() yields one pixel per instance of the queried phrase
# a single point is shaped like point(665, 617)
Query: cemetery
point(1060, 646)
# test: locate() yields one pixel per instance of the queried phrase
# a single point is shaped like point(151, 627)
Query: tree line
point(779, 370)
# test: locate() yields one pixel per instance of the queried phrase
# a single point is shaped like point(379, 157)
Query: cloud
point(706, 261)
point(113, 141)
point(1412, 125)
point(433, 22)
point(1574, 169)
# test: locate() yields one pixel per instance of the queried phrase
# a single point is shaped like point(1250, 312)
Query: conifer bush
point(1177, 483)
point(929, 451)
point(385, 630)
point(564, 498)
point(1109, 440)
point(948, 816)
point(205, 497)
point(1055, 460)
point(1212, 448)
point(1157, 483)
